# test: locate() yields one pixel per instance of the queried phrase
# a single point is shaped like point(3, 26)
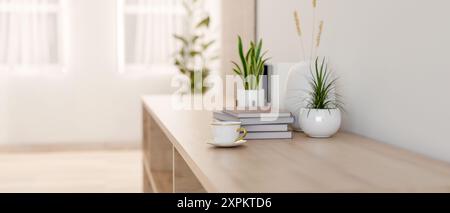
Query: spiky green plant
point(252, 61)
point(194, 57)
point(322, 94)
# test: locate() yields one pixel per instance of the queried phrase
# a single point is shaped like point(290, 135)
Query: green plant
point(323, 88)
point(193, 58)
point(252, 64)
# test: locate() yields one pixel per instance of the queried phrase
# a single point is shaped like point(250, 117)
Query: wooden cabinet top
point(344, 163)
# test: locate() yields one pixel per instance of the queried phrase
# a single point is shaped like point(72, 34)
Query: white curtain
point(151, 39)
point(28, 32)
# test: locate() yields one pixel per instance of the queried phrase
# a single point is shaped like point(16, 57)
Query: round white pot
point(250, 98)
point(320, 123)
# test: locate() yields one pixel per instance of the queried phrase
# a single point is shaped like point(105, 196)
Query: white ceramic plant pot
point(250, 99)
point(320, 123)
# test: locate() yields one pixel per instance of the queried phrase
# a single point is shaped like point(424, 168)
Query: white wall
point(238, 20)
point(91, 103)
point(3, 101)
point(392, 59)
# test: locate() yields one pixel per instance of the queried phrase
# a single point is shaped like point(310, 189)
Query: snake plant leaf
point(237, 72)
point(252, 63)
point(261, 66)
point(248, 55)
point(236, 65)
point(241, 55)
point(258, 49)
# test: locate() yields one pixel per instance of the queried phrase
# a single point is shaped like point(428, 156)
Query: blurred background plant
point(195, 54)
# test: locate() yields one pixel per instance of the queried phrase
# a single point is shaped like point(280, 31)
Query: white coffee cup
point(227, 133)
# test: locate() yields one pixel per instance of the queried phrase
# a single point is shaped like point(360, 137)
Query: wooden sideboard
point(178, 159)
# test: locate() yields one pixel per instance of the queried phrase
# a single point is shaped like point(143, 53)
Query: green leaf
point(322, 93)
point(259, 47)
point(204, 22)
point(207, 45)
point(180, 38)
point(194, 53)
point(177, 62)
point(239, 73)
point(195, 38)
point(236, 65)
point(182, 52)
point(241, 55)
point(252, 63)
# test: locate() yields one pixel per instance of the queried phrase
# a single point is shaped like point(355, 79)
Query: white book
point(268, 135)
point(252, 121)
point(267, 128)
point(257, 114)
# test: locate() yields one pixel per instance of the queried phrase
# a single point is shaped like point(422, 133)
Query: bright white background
point(91, 102)
point(392, 57)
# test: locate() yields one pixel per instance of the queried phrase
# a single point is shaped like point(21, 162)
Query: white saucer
point(235, 144)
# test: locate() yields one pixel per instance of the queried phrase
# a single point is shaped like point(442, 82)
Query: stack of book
point(260, 125)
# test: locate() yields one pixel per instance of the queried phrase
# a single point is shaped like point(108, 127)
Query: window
point(145, 33)
point(30, 33)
